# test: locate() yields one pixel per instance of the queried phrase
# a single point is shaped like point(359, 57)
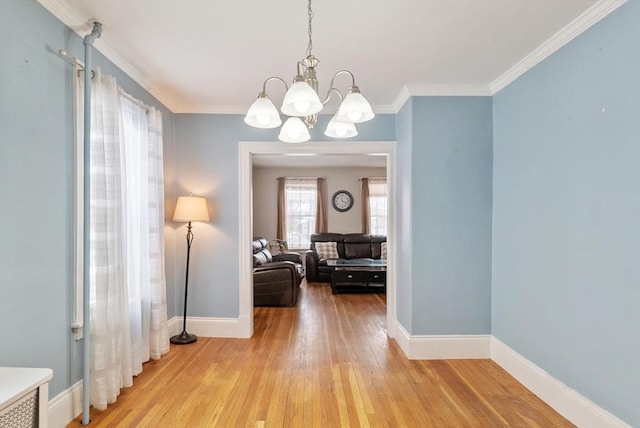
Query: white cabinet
point(24, 397)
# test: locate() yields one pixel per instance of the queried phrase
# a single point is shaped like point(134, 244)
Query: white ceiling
point(320, 161)
point(212, 56)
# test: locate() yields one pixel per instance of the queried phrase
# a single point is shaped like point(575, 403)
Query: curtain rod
point(300, 178)
point(80, 66)
point(71, 60)
point(133, 99)
point(372, 178)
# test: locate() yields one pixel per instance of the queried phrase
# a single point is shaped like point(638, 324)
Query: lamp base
point(183, 338)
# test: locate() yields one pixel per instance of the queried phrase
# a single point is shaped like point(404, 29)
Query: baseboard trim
point(443, 347)
point(66, 406)
point(578, 409)
point(568, 402)
point(213, 327)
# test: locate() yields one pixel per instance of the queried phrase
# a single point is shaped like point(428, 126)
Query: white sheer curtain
point(128, 293)
point(300, 210)
point(377, 205)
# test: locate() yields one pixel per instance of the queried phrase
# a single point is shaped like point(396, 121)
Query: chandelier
point(302, 103)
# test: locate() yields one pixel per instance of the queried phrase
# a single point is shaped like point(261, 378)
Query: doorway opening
point(247, 150)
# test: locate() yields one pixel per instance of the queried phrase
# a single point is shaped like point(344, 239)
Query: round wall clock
point(342, 201)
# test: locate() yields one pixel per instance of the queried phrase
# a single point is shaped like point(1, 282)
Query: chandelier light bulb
point(302, 106)
point(301, 100)
point(294, 131)
point(337, 129)
point(354, 116)
point(263, 119)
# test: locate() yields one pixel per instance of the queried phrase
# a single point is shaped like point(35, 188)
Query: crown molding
point(218, 109)
point(82, 27)
point(576, 27)
point(409, 91)
point(210, 109)
point(401, 99)
point(583, 22)
point(449, 90)
point(67, 15)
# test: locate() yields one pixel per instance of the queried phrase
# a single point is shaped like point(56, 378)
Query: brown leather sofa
point(276, 279)
point(349, 246)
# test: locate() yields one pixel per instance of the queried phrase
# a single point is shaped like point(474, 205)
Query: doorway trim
point(246, 150)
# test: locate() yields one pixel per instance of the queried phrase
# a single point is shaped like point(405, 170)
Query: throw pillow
point(327, 250)
point(383, 251)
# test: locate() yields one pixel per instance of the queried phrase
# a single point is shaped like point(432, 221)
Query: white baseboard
point(213, 327)
point(566, 401)
point(569, 403)
point(444, 347)
point(64, 407)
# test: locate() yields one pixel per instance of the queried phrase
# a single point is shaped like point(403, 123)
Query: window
point(300, 201)
point(378, 206)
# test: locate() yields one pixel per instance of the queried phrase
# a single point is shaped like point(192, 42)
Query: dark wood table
point(358, 275)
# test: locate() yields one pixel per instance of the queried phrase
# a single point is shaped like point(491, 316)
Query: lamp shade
point(191, 208)
point(355, 108)
point(301, 100)
point(263, 114)
point(337, 129)
point(294, 131)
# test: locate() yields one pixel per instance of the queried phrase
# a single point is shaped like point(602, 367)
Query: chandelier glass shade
point(263, 114)
point(338, 129)
point(294, 130)
point(302, 103)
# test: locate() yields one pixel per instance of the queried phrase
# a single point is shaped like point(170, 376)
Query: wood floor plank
point(324, 363)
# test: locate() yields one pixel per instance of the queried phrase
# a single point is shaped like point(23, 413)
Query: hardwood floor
point(325, 363)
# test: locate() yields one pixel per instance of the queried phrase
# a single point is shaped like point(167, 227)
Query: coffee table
point(358, 275)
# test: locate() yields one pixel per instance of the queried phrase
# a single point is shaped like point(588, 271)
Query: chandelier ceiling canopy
point(302, 103)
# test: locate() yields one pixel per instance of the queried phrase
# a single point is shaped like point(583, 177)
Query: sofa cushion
point(357, 246)
point(261, 257)
point(383, 251)
point(327, 250)
point(261, 254)
point(376, 241)
point(328, 237)
point(359, 250)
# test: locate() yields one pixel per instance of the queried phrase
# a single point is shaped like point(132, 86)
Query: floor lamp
point(188, 209)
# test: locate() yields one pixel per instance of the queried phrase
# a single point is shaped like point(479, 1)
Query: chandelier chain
point(310, 12)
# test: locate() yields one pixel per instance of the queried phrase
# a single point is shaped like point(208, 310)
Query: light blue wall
point(451, 173)
point(566, 237)
point(36, 189)
point(207, 165)
point(404, 137)
point(566, 252)
point(35, 195)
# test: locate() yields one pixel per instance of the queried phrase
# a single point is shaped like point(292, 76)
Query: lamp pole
point(188, 209)
point(184, 337)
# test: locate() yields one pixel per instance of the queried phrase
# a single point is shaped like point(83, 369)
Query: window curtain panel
point(281, 229)
point(366, 210)
point(127, 284)
point(300, 210)
point(321, 206)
